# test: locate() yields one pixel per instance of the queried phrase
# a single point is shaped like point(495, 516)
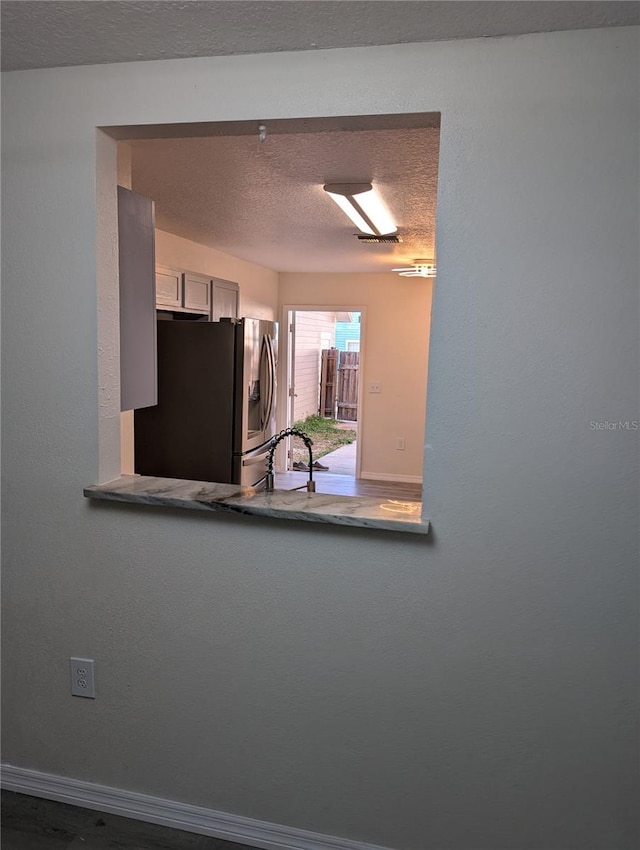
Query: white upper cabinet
point(185, 292)
point(197, 292)
point(191, 292)
point(225, 298)
point(168, 287)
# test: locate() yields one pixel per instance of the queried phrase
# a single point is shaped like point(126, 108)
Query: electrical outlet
point(374, 387)
point(400, 444)
point(82, 681)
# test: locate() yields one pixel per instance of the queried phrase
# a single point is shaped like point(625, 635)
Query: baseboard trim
point(389, 476)
point(130, 804)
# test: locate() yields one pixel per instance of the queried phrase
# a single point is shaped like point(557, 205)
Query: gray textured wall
point(471, 693)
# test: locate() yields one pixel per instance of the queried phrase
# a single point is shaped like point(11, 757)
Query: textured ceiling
point(264, 202)
point(48, 33)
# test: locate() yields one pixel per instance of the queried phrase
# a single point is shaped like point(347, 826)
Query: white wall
point(471, 692)
point(394, 354)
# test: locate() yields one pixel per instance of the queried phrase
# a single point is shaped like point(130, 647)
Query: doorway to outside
point(323, 350)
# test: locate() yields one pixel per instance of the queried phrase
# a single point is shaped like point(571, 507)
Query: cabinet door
point(168, 287)
point(225, 300)
point(136, 255)
point(197, 292)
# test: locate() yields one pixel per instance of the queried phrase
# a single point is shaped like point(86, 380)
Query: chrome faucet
point(290, 432)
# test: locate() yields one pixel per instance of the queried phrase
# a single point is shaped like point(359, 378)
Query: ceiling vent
point(375, 240)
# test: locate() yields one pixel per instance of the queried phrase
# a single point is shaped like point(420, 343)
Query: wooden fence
point(339, 384)
point(328, 382)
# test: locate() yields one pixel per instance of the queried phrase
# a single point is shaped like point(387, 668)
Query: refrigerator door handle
point(272, 380)
point(265, 382)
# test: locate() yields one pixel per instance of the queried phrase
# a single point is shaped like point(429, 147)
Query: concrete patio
point(341, 461)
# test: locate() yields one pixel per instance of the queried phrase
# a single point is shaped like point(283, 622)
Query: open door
point(291, 383)
point(310, 331)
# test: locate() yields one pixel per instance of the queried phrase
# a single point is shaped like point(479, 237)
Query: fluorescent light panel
point(364, 207)
point(349, 209)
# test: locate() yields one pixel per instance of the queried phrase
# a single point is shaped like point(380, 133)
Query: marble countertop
point(362, 511)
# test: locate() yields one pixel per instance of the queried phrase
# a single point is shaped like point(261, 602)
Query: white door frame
point(291, 366)
point(285, 363)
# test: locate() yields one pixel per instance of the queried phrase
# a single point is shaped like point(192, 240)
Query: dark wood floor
point(29, 823)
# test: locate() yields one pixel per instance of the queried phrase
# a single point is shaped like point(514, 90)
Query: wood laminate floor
point(339, 479)
point(345, 485)
point(30, 823)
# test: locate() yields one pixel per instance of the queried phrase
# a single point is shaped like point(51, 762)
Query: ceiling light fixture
point(364, 207)
point(420, 268)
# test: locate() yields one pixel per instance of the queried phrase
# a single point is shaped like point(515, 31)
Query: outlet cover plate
point(82, 679)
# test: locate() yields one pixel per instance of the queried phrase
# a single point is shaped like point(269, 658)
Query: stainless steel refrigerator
point(215, 415)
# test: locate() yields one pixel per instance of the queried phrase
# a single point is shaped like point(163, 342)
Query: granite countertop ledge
point(356, 511)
